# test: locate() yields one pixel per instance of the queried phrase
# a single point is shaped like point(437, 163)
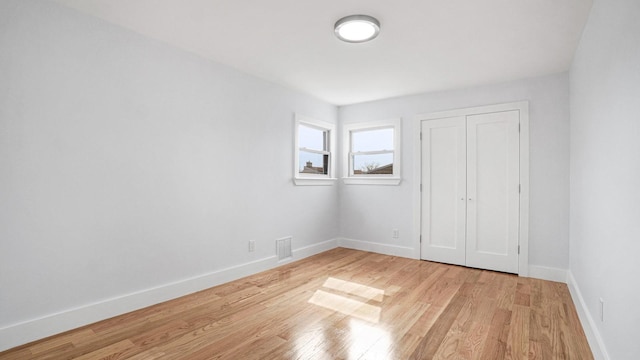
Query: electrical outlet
point(396, 233)
point(601, 310)
point(252, 245)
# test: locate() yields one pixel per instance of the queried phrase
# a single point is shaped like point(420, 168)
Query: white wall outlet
point(252, 245)
point(396, 233)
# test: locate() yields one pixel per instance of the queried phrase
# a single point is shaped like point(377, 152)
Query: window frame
point(349, 177)
point(330, 139)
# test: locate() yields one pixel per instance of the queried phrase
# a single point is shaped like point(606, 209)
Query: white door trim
point(523, 108)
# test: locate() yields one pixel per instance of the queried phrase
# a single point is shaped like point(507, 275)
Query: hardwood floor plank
point(430, 343)
point(518, 339)
point(496, 342)
point(150, 354)
point(160, 335)
point(21, 353)
point(342, 304)
point(473, 343)
point(399, 321)
point(113, 351)
point(539, 335)
point(561, 343)
point(69, 339)
point(507, 291)
point(421, 327)
point(581, 346)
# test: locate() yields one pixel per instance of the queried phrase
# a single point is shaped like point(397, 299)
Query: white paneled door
point(470, 190)
point(444, 190)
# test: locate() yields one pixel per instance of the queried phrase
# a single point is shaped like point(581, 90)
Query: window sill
point(371, 181)
point(314, 181)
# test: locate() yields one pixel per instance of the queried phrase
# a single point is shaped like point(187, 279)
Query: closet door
point(443, 190)
point(493, 191)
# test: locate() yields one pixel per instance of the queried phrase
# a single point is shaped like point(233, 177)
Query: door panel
point(443, 190)
point(492, 192)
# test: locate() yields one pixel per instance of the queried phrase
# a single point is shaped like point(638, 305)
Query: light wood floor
point(342, 304)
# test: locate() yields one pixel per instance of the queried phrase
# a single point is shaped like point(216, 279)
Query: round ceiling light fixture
point(357, 28)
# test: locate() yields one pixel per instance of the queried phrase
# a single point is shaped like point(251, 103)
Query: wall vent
point(283, 248)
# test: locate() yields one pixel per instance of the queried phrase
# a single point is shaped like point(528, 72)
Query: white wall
point(605, 174)
point(127, 165)
point(369, 213)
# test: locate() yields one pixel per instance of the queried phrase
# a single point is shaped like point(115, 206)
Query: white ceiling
point(424, 45)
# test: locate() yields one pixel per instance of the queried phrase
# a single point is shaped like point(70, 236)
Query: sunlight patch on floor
point(363, 291)
point(346, 306)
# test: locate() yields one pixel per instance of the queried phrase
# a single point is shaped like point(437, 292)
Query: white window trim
point(314, 179)
point(393, 179)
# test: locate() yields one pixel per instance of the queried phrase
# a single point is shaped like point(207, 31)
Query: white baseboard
point(379, 248)
point(314, 249)
point(588, 324)
point(35, 329)
point(548, 273)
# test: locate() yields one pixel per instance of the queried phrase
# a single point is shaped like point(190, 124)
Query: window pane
point(373, 164)
point(311, 138)
point(372, 140)
point(312, 163)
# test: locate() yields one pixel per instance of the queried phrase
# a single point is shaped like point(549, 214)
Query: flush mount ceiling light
point(357, 28)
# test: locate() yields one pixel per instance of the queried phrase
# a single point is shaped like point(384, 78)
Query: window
point(313, 147)
point(314, 143)
point(372, 153)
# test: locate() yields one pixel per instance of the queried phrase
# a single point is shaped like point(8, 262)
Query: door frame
point(523, 231)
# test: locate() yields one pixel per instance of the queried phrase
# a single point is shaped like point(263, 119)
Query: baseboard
point(548, 273)
point(588, 324)
point(379, 248)
point(314, 249)
point(35, 329)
